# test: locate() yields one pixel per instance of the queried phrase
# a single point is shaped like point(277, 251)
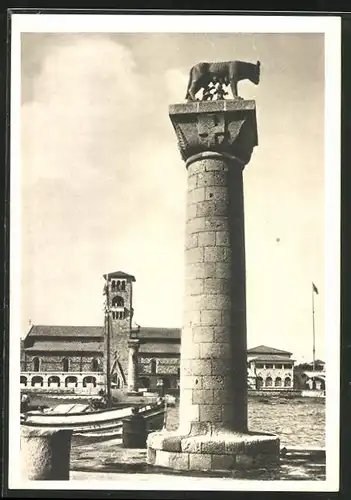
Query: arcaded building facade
point(74, 358)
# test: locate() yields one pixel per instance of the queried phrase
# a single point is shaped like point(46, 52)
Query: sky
point(103, 186)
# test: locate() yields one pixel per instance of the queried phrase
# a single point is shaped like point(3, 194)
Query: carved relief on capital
point(232, 132)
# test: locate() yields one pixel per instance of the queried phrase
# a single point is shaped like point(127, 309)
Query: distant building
point(74, 358)
point(270, 368)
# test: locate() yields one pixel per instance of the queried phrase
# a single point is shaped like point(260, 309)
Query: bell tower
point(119, 288)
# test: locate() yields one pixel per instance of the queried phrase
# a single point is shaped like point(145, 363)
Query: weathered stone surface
point(216, 144)
point(45, 453)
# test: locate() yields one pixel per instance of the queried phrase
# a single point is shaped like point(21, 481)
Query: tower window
point(113, 284)
point(117, 301)
point(118, 285)
point(123, 285)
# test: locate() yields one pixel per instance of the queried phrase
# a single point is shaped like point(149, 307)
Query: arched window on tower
point(113, 285)
point(65, 365)
point(118, 285)
point(36, 365)
point(123, 285)
point(117, 301)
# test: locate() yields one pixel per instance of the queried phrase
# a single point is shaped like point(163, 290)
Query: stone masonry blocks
point(213, 395)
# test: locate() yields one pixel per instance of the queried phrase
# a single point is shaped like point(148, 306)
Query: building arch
point(65, 365)
point(287, 382)
point(278, 382)
point(36, 380)
point(54, 380)
point(89, 381)
point(269, 382)
point(36, 364)
point(117, 301)
point(71, 381)
point(23, 380)
point(259, 383)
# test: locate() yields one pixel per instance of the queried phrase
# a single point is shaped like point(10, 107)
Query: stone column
point(133, 346)
point(216, 140)
point(45, 453)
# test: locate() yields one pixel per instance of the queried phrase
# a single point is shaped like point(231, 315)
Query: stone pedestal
point(45, 453)
point(216, 140)
point(133, 346)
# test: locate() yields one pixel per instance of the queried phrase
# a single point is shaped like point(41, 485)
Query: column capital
point(133, 343)
point(224, 127)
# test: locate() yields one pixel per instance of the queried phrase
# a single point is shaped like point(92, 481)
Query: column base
point(220, 451)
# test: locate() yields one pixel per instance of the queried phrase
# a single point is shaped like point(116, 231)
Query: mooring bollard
point(45, 453)
point(134, 431)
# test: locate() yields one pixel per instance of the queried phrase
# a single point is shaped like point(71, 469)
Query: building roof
point(272, 357)
point(65, 331)
point(159, 348)
point(120, 274)
point(74, 346)
point(159, 333)
point(263, 349)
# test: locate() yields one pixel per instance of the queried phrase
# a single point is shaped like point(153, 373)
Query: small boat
point(104, 424)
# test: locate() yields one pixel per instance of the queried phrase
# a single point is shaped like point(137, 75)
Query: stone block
point(222, 334)
point(215, 301)
point(210, 413)
point(196, 195)
point(192, 413)
point(162, 458)
point(211, 318)
point(199, 461)
point(209, 269)
point(205, 208)
point(172, 443)
point(215, 166)
point(196, 225)
point(213, 382)
point(192, 181)
point(215, 350)
point(213, 446)
point(196, 367)
point(221, 367)
point(203, 334)
point(223, 270)
point(216, 286)
point(191, 444)
point(222, 396)
point(151, 456)
point(214, 254)
point(222, 462)
point(194, 255)
point(222, 238)
point(191, 211)
point(244, 460)
point(194, 286)
point(202, 396)
point(207, 238)
point(179, 461)
point(200, 429)
point(206, 179)
point(191, 382)
point(218, 193)
point(221, 207)
point(192, 303)
point(191, 241)
point(216, 223)
point(220, 178)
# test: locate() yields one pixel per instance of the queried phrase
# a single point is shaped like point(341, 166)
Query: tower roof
point(120, 274)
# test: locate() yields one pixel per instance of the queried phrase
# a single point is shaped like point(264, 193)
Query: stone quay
point(216, 140)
